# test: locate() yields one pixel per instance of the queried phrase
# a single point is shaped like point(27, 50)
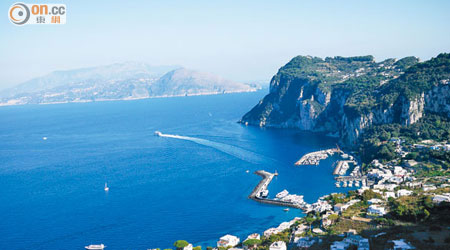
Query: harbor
point(283, 198)
point(260, 192)
point(314, 158)
point(340, 167)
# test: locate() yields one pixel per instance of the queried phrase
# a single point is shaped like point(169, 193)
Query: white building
point(414, 184)
point(440, 198)
point(188, 247)
point(254, 236)
point(228, 241)
point(389, 187)
point(376, 209)
point(271, 231)
point(428, 187)
point(318, 230)
point(386, 195)
point(399, 171)
point(300, 229)
point(374, 201)
point(403, 192)
point(342, 207)
point(321, 206)
point(279, 245)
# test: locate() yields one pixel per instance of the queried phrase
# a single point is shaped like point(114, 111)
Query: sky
point(239, 40)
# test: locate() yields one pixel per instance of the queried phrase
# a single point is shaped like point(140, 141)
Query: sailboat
point(106, 187)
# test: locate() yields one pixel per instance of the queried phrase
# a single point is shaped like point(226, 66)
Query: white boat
point(265, 193)
point(350, 183)
point(286, 209)
point(248, 171)
point(338, 184)
point(95, 247)
point(157, 133)
point(106, 187)
point(356, 183)
point(345, 184)
point(44, 138)
point(282, 194)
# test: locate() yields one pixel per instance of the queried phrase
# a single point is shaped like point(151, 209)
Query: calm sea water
point(161, 189)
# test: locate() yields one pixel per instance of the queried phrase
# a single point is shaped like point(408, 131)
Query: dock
point(262, 186)
point(314, 158)
point(342, 167)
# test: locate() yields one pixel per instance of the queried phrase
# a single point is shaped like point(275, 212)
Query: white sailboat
point(106, 187)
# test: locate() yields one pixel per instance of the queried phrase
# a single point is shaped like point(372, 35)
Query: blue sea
point(161, 189)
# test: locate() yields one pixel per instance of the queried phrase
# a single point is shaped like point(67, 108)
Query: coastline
point(138, 98)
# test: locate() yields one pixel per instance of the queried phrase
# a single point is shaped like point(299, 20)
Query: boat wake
point(225, 148)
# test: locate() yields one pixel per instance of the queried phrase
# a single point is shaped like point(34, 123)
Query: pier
point(261, 188)
point(263, 184)
point(342, 167)
point(314, 158)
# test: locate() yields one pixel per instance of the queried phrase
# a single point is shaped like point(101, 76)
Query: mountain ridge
point(121, 81)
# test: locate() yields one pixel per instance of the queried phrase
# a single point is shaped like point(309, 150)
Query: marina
point(314, 158)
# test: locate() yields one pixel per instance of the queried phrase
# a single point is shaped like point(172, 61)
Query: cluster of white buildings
point(319, 206)
point(389, 174)
point(445, 147)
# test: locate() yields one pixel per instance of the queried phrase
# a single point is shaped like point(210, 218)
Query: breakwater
point(314, 158)
point(261, 188)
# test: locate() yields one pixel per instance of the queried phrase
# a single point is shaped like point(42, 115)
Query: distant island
point(120, 81)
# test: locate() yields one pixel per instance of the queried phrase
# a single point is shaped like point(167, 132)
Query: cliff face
point(343, 96)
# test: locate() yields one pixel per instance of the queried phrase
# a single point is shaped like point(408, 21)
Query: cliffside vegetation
point(417, 79)
point(364, 103)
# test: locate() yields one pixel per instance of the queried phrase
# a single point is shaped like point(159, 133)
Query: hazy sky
point(240, 40)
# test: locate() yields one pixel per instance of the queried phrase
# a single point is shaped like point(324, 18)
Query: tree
point(428, 202)
point(309, 220)
point(252, 243)
point(333, 217)
point(197, 248)
point(180, 244)
point(426, 213)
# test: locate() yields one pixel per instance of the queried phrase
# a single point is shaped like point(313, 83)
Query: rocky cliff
point(343, 96)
